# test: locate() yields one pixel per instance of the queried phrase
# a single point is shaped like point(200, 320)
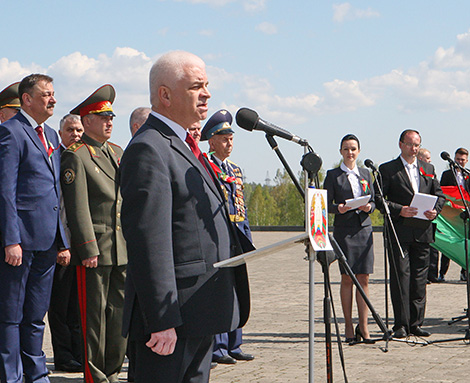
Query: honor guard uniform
point(89, 178)
point(9, 102)
point(219, 132)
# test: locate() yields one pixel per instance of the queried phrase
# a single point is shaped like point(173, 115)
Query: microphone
point(446, 157)
point(370, 165)
point(248, 119)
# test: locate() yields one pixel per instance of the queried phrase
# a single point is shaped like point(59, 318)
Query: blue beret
point(219, 123)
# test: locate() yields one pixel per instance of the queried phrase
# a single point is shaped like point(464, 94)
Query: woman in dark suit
point(352, 231)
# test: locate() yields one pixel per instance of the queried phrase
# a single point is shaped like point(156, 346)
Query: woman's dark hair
point(348, 137)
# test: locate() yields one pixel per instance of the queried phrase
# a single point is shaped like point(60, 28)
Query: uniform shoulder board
point(74, 147)
point(110, 143)
point(233, 164)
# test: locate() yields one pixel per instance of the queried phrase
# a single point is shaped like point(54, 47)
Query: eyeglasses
point(410, 145)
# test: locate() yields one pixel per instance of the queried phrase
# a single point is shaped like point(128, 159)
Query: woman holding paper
point(352, 230)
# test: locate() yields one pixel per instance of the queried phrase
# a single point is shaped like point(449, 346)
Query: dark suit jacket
point(447, 178)
point(339, 190)
point(398, 191)
point(29, 187)
point(176, 225)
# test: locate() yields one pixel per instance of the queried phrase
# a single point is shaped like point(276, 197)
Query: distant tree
point(262, 208)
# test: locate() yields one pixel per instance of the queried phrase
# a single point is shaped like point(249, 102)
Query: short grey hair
point(139, 116)
point(71, 117)
point(168, 70)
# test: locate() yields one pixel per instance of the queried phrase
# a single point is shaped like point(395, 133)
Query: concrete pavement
point(277, 332)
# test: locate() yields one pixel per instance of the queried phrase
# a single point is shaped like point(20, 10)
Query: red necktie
point(195, 149)
point(40, 132)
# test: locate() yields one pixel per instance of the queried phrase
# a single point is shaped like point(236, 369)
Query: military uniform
point(89, 178)
point(227, 345)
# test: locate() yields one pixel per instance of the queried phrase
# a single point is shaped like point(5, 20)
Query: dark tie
point(40, 132)
point(195, 149)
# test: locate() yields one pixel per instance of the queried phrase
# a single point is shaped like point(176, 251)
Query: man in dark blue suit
point(32, 234)
point(219, 132)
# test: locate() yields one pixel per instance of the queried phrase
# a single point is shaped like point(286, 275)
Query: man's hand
point(14, 255)
point(90, 262)
point(63, 257)
point(365, 208)
point(343, 209)
point(408, 211)
point(163, 342)
point(430, 214)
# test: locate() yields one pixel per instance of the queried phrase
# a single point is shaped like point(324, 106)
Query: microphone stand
point(465, 216)
point(388, 251)
point(325, 259)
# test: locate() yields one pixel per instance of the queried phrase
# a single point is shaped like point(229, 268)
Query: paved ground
point(277, 332)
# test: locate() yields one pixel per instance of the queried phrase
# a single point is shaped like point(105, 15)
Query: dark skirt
point(357, 246)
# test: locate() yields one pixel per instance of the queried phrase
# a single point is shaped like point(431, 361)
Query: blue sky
point(319, 69)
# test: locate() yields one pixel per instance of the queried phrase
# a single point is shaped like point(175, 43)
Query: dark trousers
point(101, 298)
point(408, 278)
point(227, 342)
point(24, 299)
point(64, 316)
point(433, 264)
point(189, 363)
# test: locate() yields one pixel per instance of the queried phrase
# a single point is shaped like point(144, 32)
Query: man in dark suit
point(63, 315)
point(402, 178)
point(219, 132)
point(176, 227)
point(31, 230)
point(448, 179)
point(92, 199)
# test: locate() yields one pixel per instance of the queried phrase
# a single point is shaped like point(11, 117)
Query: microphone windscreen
point(368, 163)
point(445, 156)
point(246, 118)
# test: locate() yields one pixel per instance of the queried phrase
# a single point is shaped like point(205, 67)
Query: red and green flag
point(450, 238)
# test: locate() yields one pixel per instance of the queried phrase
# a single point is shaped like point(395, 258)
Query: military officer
point(89, 170)
point(219, 132)
point(9, 102)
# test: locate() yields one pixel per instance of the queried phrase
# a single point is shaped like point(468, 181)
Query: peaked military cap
point(9, 97)
point(219, 123)
point(99, 102)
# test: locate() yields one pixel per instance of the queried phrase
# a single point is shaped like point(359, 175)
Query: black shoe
point(441, 279)
point(400, 333)
point(69, 366)
point(418, 331)
point(432, 279)
point(360, 338)
point(463, 276)
point(241, 356)
point(226, 359)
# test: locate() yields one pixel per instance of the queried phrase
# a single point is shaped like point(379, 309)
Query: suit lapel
point(178, 145)
point(35, 138)
point(404, 175)
point(345, 185)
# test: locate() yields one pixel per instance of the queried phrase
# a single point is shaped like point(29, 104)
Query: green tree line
point(281, 204)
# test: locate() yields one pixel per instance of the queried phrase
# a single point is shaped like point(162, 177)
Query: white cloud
point(254, 5)
point(249, 5)
point(206, 32)
point(454, 57)
point(345, 11)
point(267, 28)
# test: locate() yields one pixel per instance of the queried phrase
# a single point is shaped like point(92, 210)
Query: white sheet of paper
point(354, 203)
point(423, 202)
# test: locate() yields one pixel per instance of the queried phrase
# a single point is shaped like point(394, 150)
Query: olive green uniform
point(90, 186)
